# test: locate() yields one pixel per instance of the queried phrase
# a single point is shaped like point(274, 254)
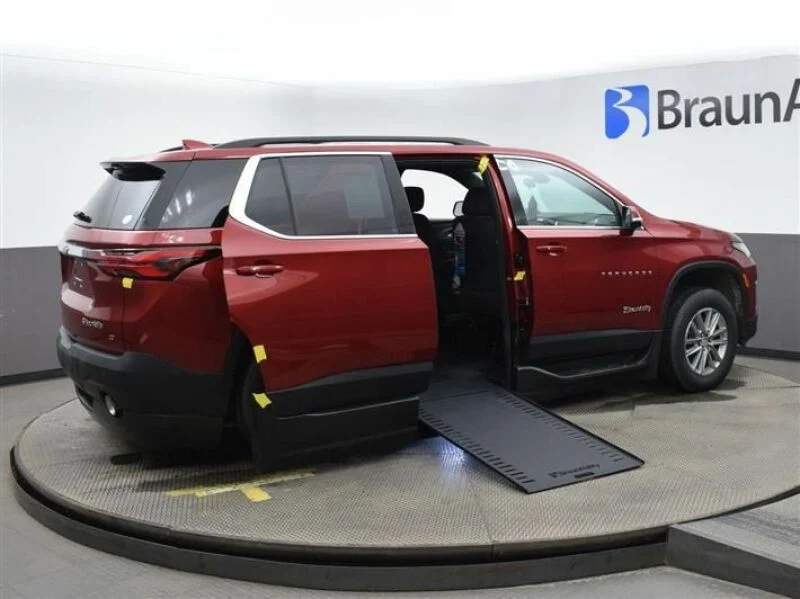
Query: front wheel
point(700, 340)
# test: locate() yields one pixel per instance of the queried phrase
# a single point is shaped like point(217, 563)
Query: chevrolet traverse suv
point(306, 292)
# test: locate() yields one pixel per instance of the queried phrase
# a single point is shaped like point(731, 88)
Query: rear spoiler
point(132, 171)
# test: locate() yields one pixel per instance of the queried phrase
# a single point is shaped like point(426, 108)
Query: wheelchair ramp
point(529, 445)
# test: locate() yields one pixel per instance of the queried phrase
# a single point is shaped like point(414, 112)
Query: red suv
point(300, 290)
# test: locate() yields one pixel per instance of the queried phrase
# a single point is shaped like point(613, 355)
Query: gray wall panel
point(29, 312)
point(778, 259)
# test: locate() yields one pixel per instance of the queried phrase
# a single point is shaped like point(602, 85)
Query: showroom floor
point(35, 562)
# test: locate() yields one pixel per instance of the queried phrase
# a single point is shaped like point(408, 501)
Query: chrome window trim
point(551, 227)
point(74, 250)
point(241, 192)
point(577, 174)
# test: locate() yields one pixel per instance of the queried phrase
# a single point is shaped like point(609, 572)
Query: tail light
point(146, 263)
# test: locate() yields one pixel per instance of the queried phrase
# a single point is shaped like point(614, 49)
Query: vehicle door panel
point(601, 279)
point(587, 273)
point(339, 305)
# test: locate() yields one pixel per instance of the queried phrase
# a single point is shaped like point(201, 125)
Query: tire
point(257, 424)
point(699, 340)
point(246, 407)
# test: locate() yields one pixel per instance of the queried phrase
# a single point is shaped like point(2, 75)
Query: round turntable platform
point(429, 503)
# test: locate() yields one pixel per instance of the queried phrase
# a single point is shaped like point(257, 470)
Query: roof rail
point(266, 141)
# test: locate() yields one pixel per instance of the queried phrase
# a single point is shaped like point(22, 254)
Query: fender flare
point(702, 265)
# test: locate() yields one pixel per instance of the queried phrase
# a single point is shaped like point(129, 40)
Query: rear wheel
point(700, 340)
point(249, 413)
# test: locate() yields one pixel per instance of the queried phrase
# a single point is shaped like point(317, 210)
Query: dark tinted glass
point(340, 195)
point(268, 203)
point(119, 203)
point(202, 197)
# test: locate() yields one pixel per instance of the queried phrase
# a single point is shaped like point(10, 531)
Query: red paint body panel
point(163, 318)
point(184, 321)
point(338, 305)
point(681, 244)
point(585, 288)
point(91, 304)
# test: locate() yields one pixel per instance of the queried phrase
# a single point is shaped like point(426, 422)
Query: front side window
point(323, 195)
point(553, 196)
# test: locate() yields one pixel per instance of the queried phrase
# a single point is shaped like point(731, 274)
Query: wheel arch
point(711, 274)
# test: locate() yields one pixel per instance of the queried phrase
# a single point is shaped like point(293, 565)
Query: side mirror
point(630, 220)
point(458, 209)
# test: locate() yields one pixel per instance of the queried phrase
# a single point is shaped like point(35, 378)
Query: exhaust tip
point(111, 407)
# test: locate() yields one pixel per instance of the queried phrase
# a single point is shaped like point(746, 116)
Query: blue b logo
point(627, 109)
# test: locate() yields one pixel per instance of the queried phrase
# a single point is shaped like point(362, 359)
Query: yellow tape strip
point(483, 164)
point(519, 275)
point(262, 400)
point(255, 494)
point(277, 477)
point(261, 353)
point(127, 282)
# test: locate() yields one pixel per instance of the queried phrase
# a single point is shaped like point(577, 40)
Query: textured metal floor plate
point(704, 454)
point(529, 445)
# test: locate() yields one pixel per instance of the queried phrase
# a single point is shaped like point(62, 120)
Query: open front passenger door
point(594, 288)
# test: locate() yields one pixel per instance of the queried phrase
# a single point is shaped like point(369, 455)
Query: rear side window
point(325, 195)
point(268, 203)
point(201, 198)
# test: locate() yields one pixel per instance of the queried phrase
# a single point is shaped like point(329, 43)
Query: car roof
point(428, 147)
point(401, 149)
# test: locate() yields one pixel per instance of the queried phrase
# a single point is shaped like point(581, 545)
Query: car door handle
point(259, 270)
point(551, 250)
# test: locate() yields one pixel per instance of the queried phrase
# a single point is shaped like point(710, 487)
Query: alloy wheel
point(706, 341)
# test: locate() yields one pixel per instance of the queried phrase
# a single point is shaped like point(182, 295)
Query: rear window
point(122, 198)
point(163, 195)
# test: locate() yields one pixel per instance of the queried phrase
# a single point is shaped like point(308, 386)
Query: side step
point(529, 445)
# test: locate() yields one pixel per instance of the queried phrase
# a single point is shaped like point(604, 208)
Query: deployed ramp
point(529, 445)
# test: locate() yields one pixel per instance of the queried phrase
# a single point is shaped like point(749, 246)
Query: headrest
point(476, 203)
point(416, 198)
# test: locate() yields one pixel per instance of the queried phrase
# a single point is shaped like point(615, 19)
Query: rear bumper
point(160, 405)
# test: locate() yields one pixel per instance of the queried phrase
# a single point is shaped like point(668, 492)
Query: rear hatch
point(136, 227)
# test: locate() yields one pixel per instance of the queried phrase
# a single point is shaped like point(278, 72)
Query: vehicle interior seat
point(425, 231)
point(442, 268)
point(482, 254)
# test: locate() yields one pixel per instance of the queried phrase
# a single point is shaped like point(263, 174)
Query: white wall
point(61, 118)
point(744, 178)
